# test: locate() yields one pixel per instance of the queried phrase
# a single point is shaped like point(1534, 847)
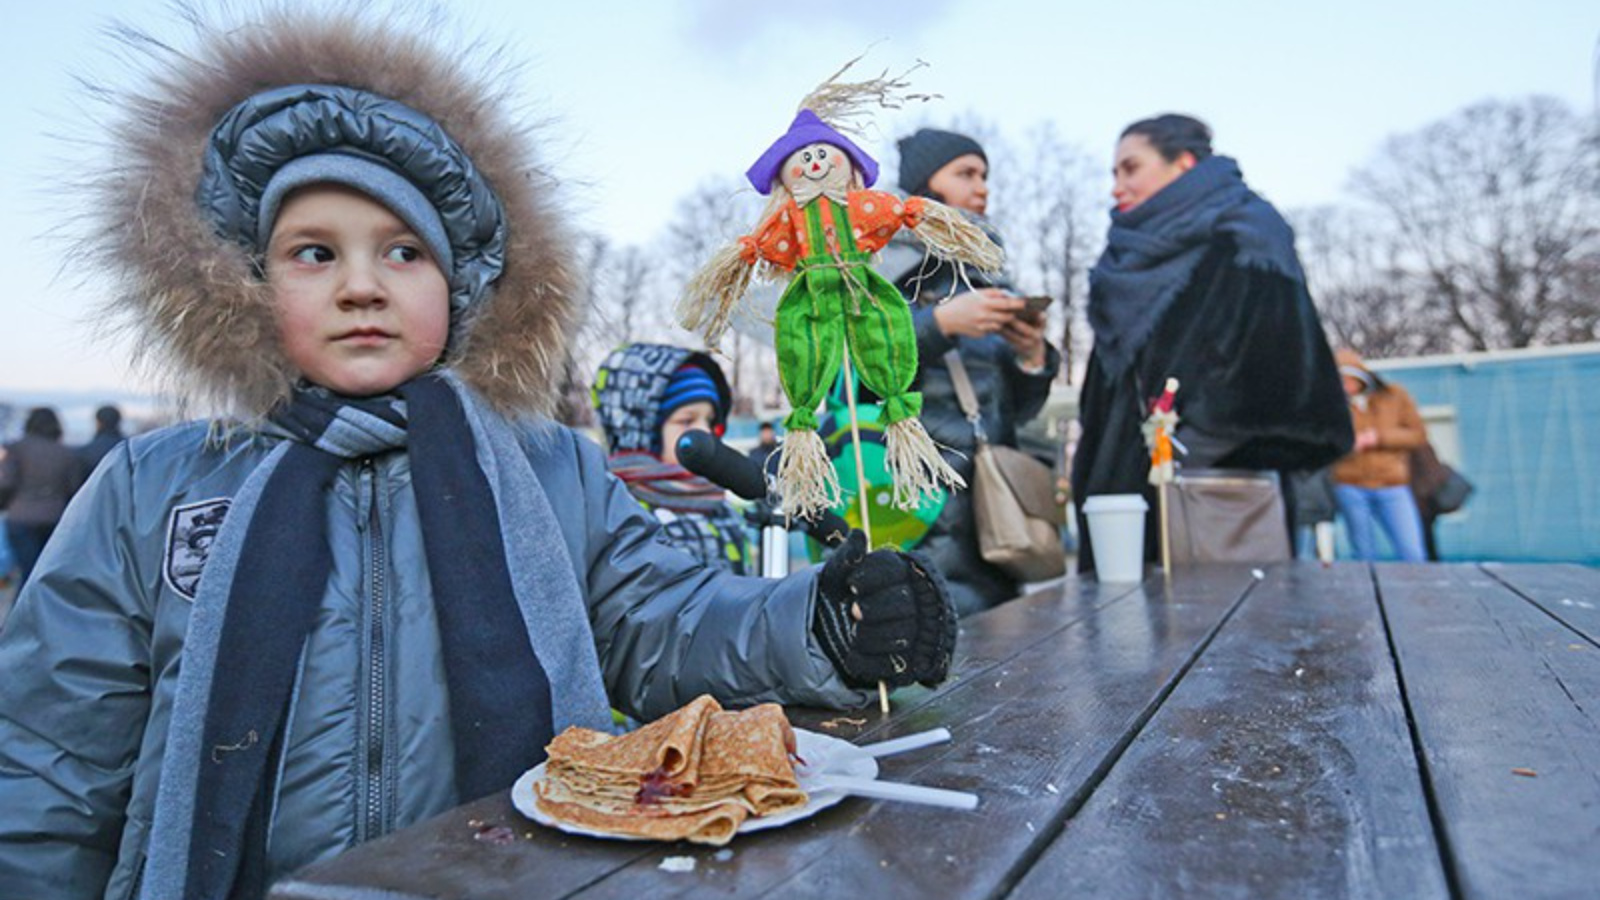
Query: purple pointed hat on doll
point(807, 129)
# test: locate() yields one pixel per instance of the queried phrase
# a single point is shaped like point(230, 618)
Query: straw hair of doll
point(918, 467)
point(805, 475)
point(708, 299)
point(950, 236)
point(840, 103)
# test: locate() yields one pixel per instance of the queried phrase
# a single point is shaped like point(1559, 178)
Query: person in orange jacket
point(1373, 483)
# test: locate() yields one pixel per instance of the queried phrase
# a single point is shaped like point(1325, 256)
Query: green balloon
point(891, 525)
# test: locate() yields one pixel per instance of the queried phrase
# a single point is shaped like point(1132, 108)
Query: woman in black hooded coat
point(1199, 281)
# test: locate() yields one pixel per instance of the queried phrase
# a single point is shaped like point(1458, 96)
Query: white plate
point(823, 755)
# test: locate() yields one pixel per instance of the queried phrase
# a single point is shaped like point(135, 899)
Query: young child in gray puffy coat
point(384, 581)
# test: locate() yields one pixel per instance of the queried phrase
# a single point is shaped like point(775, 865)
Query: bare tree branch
point(1497, 208)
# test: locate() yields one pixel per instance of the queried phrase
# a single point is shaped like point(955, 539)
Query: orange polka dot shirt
point(873, 217)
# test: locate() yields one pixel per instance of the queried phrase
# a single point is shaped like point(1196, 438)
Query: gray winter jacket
point(91, 654)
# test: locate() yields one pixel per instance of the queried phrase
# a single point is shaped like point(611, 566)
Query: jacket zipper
point(376, 814)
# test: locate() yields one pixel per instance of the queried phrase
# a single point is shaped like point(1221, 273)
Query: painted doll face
point(815, 168)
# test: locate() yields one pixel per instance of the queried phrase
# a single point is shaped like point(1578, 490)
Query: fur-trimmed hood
point(201, 315)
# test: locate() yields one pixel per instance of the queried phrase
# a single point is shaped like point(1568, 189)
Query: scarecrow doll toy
point(1159, 429)
point(821, 227)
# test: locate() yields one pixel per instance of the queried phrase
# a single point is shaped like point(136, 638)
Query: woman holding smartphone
point(1199, 281)
point(1000, 341)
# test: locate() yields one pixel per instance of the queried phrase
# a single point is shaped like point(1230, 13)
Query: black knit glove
point(907, 629)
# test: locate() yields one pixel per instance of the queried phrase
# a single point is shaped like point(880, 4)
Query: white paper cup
point(1116, 526)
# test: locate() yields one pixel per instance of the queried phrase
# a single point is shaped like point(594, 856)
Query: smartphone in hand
point(1038, 303)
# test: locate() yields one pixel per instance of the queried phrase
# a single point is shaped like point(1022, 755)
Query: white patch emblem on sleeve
point(189, 538)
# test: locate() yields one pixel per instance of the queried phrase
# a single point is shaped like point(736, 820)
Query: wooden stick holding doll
point(821, 227)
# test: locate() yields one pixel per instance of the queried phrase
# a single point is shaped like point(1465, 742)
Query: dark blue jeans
point(27, 542)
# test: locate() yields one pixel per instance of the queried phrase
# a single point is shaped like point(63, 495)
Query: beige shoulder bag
point(1013, 499)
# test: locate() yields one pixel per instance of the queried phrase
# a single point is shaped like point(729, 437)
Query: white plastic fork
point(909, 742)
point(894, 790)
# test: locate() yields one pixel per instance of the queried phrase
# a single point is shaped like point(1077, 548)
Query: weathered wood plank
point(1281, 766)
point(1504, 699)
point(985, 641)
point(1571, 593)
point(1033, 733)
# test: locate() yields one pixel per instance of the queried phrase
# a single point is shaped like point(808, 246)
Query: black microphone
point(703, 454)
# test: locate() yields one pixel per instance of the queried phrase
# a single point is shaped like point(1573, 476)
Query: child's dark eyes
point(312, 253)
point(403, 253)
point(316, 254)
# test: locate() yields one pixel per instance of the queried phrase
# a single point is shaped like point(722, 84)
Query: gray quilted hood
point(262, 136)
point(199, 137)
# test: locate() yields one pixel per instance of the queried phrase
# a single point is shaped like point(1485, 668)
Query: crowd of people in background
point(1199, 280)
point(38, 476)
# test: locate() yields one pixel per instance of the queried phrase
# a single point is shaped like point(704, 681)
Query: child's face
point(697, 416)
point(361, 305)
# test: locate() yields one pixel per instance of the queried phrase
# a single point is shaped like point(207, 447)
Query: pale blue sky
point(648, 99)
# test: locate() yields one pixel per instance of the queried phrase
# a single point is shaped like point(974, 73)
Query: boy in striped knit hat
point(646, 397)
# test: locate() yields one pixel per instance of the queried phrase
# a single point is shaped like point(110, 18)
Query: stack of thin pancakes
point(695, 774)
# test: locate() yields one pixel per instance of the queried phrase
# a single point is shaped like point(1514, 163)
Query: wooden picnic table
point(1295, 730)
